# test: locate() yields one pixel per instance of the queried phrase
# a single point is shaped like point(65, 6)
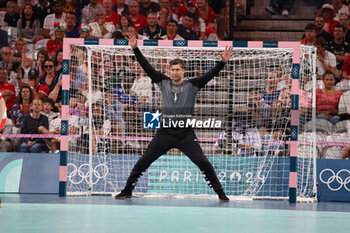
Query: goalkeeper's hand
point(131, 37)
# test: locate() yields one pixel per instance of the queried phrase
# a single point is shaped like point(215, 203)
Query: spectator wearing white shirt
point(325, 59)
point(101, 28)
point(54, 20)
point(171, 29)
point(339, 8)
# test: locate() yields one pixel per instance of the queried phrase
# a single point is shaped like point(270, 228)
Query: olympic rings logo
point(65, 67)
point(120, 42)
point(78, 175)
point(180, 43)
point(295, 70)
point(335, 179)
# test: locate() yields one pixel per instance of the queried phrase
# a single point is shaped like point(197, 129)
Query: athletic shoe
point(123, 195)
point(223, 197)
point(271, 10)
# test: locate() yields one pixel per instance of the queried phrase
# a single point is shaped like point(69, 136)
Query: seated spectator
point(124, 22)
point(339, 8)
point(72, 6)
point(199, 24)
point(48, 106)
point(113, 110)
point(101, 127)
point(319, 22)
point(28, 27)
point(8, 144)
point(243, 141)
point(8, 90)
point(142, 87)
point(40, 91)
point(285, 97)
point(4, 39)
point(171, 29)
point(178, 9)
point(310, 35)
point(22, 107)
point(344, 20)
point(137, 19)
point(89, 12)
point(71, 26)
point(84, 32)
point(133, 29)
point(111, 16)
point(20, 47)
point(327, 100)
point(121, 8)
point(279, 119)
point(78, 75)
point(272, 142)
point(325, 59)
point(34, 123)
point(146, 7)
point(11, 16)
point(206, 13)
point(41, 10)
point(165, 13)
point(41, 58)
point(270, 92)
point(152, 31)
point(58, 62)
point(257, 107)
point(50, 78)
point(16, 72)
point(185, 29)
point(53, 45)
point(6, 56)
point(77, 105)
point(339, 48)
point(344, 106)
point(52, 21)
point(101, 28)
point(328, 15)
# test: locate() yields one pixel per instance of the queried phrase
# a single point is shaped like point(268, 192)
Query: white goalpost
point(250, 117)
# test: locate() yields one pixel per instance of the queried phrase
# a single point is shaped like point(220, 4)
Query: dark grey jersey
point(177, 99)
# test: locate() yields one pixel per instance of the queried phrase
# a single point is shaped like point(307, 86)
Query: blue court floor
point(51, 214)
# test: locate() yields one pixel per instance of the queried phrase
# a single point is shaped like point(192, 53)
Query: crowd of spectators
point(31, 65)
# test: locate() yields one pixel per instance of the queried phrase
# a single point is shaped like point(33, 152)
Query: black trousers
point(183, 139)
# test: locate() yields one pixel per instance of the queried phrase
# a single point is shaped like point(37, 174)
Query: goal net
point(243, 120)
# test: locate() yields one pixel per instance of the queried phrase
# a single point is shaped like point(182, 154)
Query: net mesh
point(110, 97)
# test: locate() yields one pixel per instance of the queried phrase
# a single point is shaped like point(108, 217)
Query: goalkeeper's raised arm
point(156, 76)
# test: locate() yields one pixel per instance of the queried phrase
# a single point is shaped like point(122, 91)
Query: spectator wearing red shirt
point(310, 34)
point(178, 9)
point(40, 91)
point(327, 100)
point(208, 15)
point(53, 45)
point(137, 19)
point(8, 90)
point(328, 15)
point(111, 16)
